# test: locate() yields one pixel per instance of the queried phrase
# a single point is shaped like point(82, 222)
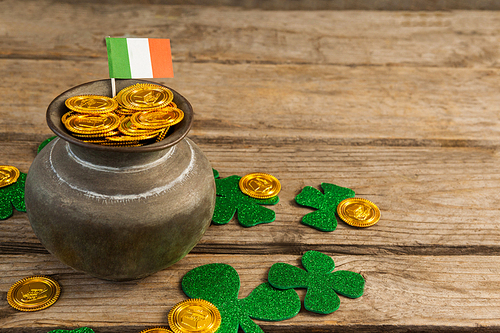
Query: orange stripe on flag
point(161, 57)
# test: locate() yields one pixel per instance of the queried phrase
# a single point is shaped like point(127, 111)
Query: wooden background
point(400, 106)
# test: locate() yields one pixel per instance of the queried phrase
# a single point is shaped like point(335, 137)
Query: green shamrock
point(324, 218)
point(322, 285)
point(44, 143)
point(79, 330)
point(12, 195)
point(230, 199)
point(219, 284)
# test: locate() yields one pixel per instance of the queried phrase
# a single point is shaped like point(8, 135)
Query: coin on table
point(260, 185)
point(8, 175)
point(92, 123)
point(144, 96)
point(91, 104)
point(33, 293)
point(154, 119)
point(157, 330)
point(194, 315)
point(358, 212)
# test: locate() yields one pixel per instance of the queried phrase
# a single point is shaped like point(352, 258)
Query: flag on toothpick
point(134, 58)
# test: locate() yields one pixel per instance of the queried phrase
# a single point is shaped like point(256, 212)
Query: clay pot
point(119, 213)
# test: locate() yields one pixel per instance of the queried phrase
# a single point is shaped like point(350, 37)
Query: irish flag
point(134, 58)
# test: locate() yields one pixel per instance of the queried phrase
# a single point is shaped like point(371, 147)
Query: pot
point(119, 213)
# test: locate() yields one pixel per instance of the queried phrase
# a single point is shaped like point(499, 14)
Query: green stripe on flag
point(119, 66)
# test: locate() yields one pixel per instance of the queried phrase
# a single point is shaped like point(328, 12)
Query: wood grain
point(76, 31)
point(401, 291)
point(402, 107)
point(288, 104)
point(433, 200)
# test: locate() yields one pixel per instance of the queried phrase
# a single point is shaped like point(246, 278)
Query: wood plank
point(76, 30)
point(402, 292)
point(287, 104)
point(413, 5)
point(433, 200)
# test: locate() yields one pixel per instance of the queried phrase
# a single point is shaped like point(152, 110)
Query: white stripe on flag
point(139, 57)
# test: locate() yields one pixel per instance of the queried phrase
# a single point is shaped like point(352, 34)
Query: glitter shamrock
point(230, 199)
point(79, 330)
point(45, 142)
point(322, 284)
point(324, 218)
point(12, 196)
point(219, 284)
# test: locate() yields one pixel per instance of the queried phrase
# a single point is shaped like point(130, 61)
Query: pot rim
point(57, 108)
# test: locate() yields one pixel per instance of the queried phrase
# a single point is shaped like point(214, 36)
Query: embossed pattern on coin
point(145, 96)
point(194, 315)
point(156, 119)
point(8, 175)
point(91, 104)
point(358, 212)
point(92, 123)
point(260, 185)
point(33, 293)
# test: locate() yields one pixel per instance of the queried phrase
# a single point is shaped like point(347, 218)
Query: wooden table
point(401, 107)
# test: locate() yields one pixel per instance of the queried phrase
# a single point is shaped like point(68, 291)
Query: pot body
point(118, 214)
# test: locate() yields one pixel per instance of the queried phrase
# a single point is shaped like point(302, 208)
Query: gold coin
point(128, 128)
point(156, 330)
point(33, 293)
point(194, 315)
point(144, 96)
point(162, 134)
point(92, 123)
point(95, 141)
point(97, 135)
point(358, 212)
point(124, 138)
point(125, 112)
point(260, 185)
point(8, 175)
point(157, 118)
point(91, 104)
point(66, 116)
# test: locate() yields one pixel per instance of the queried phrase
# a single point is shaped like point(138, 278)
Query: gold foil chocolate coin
point(8, 175)
point(157, 118)
point(157, 330)
point(66, 116)
point(33, 293)
point(144, 96)
point(358, 212)
point(91, 104)
point(92, 123)
point(260, 185)
point(194, 315)
point(128, 128)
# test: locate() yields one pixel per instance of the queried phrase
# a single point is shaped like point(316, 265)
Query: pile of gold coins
point(139, 114)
